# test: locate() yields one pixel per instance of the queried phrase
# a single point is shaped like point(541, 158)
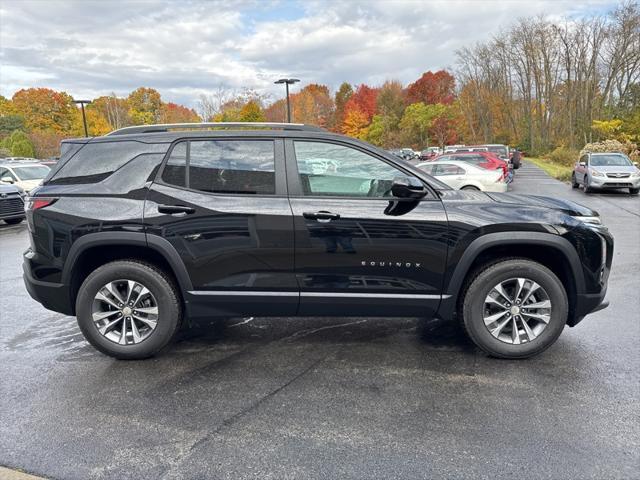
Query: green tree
point(416, 122)
point(342, 97)
point(18, 144)
point(9, 123)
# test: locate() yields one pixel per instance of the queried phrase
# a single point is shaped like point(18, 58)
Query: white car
point(23, 174)
point(464, 176)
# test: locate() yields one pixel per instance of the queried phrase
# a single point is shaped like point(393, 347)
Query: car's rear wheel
point(13, 221)
point(516, 308)
point(574, 181)
point(128, 309)
point(470, 188)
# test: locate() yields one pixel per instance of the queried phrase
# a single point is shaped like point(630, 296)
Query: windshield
point(37, 172)
point(610, 161)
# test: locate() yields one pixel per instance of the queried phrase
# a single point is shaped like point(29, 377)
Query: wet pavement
point(327, 397)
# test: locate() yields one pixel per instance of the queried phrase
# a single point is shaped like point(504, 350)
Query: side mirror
point(408, 187)
point(6, 180)
point(636, 164)
point(582, 164)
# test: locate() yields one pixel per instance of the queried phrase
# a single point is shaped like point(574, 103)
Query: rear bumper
point(52, 296)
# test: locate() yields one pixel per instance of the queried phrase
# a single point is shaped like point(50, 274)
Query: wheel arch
point(96, 249)
point(552, 251)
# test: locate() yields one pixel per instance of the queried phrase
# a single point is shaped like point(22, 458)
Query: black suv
point(135, 231)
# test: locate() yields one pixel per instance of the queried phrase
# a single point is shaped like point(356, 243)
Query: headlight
point(636, 174)
point(592, 220)
point(596, 173)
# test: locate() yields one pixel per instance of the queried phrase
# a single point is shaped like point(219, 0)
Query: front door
point(222, 204)
point(360, 251)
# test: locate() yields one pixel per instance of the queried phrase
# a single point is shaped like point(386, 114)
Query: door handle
point(321, 216)
point(175, 209)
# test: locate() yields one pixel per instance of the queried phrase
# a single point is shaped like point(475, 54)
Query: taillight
point(36, 203)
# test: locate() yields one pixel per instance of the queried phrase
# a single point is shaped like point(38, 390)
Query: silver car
point(595, 171)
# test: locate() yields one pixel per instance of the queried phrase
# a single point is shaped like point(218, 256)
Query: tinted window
point(329, 169)
point(223, 166)
point(96, 161)
point(175, 171)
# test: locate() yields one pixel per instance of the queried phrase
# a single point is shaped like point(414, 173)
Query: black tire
point(13, 221)
point(470, 188)
point(634, 191)
point(587, 188)
point(157, 282)
point(574, 182)
point(472, 305)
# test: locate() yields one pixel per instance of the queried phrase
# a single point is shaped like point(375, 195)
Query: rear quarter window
point(96, 161)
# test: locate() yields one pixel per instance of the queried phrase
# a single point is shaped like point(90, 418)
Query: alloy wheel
point(125, 312)
point(517, 310)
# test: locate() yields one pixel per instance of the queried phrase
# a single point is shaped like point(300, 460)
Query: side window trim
point(293, 177)
point(279, 166)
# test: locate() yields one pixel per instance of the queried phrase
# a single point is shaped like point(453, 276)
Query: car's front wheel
point(13, 221)
point(634, 191)
point(128, 309)
point(515, 308)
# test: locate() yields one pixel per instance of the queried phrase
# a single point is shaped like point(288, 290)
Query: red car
point(487, 160)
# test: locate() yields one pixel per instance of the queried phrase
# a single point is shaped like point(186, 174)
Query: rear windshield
point(610, 161)
point(96, 161)
point(499, 150)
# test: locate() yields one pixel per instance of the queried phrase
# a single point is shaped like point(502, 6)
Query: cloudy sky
point(187, 48)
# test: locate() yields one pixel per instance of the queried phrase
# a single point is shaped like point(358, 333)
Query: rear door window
point(223, 166)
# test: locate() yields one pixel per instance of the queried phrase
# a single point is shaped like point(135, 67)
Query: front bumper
point(607, 182)
point(587, 303)
point(52, 296)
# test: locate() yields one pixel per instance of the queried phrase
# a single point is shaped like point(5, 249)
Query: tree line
point(539, 85)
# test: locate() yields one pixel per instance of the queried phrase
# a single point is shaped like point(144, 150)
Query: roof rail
point(165, 127)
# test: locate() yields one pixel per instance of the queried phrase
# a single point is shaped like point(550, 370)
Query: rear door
point(360, 251)
point(222, 203)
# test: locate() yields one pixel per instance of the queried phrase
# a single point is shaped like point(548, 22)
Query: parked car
point(11, 203)
point(480, 159)
point(596, 171)
point(429, 153)
point(26, 175)
point(465, 176)
point(152, 224)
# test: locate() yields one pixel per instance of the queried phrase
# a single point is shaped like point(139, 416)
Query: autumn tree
point(18, 144)
point(364, 100)
point(115, 110)
point(313, 105)
point(355, 123)
point(251, 112)
point(438, 87)
point(144, 106)
point(174, 113)
point(45, 109)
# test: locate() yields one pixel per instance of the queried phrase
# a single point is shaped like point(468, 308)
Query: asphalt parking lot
point(325, 397)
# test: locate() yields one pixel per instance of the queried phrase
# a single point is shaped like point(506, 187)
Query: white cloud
point(185, 48)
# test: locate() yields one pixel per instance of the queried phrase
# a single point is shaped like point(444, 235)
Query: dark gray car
point(605, 171)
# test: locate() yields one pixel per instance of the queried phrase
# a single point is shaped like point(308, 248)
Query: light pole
point(84, 118)
point(287, 82)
